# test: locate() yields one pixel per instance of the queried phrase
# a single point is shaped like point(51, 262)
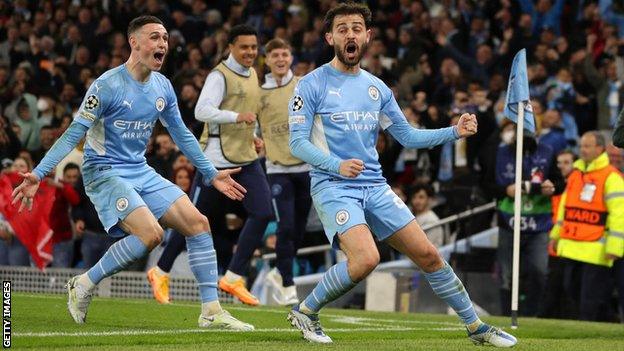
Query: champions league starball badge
point(297, 103)
point(91, 102)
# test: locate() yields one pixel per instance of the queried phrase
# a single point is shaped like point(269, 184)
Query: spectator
point(608, 86)
point(187, 102)
point(29, 125)
point(26, 234)
point(540, 180)
point(551, 132)
point(47, 136)
point(12, 49)
point(183, 177)
point(544, 14)
point(163, 158)
point(9, 142)
point(66, 196)
point(589, 228)
point(420, 204)
point(555, 302)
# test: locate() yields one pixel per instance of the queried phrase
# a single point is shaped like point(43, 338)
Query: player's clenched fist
point(467, 125)
point(351, 168)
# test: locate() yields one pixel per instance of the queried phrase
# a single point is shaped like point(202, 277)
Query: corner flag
point(518, 91)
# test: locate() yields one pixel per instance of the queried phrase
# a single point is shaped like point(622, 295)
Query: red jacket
point(31, 227)
point(59, 215)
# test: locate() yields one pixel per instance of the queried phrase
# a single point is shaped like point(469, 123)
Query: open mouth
point(351, 49)
point(159, 56)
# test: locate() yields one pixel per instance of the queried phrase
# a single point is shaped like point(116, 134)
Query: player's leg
point(257, 203)
point(391, 220)
point(183, 217)
point(283, 190)
point(158, 276)
point(413, 242)
point(121, 210)
point(362, 258)
point(146, 234)
point(343, 219)
point(303, 202)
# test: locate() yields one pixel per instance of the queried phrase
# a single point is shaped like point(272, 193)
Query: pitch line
point(199, 331)
point(344, 318)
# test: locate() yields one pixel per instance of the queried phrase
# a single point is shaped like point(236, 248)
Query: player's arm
point(300, 120)
point(172, 120)
point(393, 120)
point(212, 94)
point(96, 100)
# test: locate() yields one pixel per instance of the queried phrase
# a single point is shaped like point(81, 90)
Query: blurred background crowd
point(440, 58)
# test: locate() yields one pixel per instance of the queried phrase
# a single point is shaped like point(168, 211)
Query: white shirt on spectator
point(207, 110)
point(435, 235)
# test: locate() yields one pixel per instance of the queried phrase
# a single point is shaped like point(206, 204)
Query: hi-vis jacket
point(590, 219)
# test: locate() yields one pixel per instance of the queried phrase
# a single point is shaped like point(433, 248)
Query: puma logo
point(126, 103)
point(335, 92)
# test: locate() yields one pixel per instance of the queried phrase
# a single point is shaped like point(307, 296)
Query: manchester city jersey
point(342, 114)
point(121, 113)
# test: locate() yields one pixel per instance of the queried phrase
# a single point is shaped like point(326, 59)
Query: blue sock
point(335, 283)
point(203, 261)
point(119, 256)
point(449, 288)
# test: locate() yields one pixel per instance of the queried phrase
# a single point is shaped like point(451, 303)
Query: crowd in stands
point(440, 58)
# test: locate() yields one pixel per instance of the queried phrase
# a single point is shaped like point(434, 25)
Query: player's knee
point(264, 214)
point(365, 264)
point(154, 236)
point(200, 225)
point(430, 260)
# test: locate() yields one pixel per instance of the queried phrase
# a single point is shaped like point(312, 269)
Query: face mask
point(42, 105)
point(507, 136)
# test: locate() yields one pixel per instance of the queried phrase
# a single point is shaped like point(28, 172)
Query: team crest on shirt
point(121, 204)
point(160, 104)
point(342, 217)
point(92, 102)
point(297, 103)
point(373, 92)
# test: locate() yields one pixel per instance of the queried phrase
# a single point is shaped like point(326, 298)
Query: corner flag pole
point(517, 210)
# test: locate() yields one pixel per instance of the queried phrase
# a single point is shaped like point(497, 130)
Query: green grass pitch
point(42, 322)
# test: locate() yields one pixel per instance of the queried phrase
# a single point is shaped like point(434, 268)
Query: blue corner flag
point(518, 90)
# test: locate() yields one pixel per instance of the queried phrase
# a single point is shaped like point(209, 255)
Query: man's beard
point(340, 53)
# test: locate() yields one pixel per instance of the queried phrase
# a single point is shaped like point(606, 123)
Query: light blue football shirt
point(121, 113)
point(341, 115)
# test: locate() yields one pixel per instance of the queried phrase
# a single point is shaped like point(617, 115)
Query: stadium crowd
point(440, 58)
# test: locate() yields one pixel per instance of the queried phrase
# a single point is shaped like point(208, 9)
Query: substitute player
point(228, 105)
point(289, 177)
point(335, 116)
point(117, 115)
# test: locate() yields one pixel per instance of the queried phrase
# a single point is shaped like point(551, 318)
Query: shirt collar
point(232, 64)
point(271, 82)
